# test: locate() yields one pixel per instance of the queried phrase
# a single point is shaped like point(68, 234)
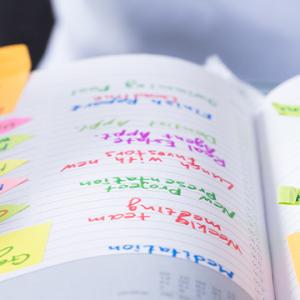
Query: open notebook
point(148, 177)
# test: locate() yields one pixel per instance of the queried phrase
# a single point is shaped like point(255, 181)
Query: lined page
point(279, 127)
point(138, 155)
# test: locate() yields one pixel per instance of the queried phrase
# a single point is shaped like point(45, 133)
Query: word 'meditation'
point(152, 249)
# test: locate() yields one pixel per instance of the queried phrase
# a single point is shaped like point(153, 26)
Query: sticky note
point(294, 247)
point(7, 143)
point(8, 184)
point(288, 195)
point(287, 110)
point(23, 248)
point(12, 123)
point(9, 210)
point(8, 165)
point(15, 67)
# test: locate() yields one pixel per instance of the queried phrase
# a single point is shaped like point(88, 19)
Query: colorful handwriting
point(205, 136)
point(80, 164)
point(167, 140)
point(119, 216)
point(91, 89)
point(294, 247)
point(289, 195)
point(103, 123)
point(9, 210)
point(10, 142)
point(133, 84)
point(10, 164)
point(101, 103)
point(154, 156)
point(287, 110)
point(169, 185)
point(8, 184)
point(23, 248)
point(138, 96)
point(172, 252)
point(10, 124)
point(139, 210)
point(133, 100)
point(118, 183)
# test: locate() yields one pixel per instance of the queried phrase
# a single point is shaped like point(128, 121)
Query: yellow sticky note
point(23, 248)
point(287, 110)
point(15, 66)
point(9, 210)
point(288, 195)
point(294, 246)
point(10, 142)
point(10, 164)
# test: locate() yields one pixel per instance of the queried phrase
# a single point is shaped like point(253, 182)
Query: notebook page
point(139, 155)
point(278, 129)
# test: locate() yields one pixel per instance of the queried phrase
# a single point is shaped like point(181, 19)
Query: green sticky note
point(287, 110)
point(9, 210)
point(7, 143)
point(288, 195)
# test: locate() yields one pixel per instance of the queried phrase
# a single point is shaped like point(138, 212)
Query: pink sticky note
point(8, 184)
point(10, 124)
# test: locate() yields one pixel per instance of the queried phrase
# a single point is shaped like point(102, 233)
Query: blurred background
point(258, 40)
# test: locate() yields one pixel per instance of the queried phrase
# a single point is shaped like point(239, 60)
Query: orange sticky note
point(15, 66)
point(23, 248)
point(294, 246)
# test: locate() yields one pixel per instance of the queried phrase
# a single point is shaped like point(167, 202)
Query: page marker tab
point(289, 195)
point(10, 124)
point(14, 71)
point(8, 165)
point(287, 110)
point(9, 210)
point(8, 143)
point(8, 184)
point(23, 248)
point(294, 247)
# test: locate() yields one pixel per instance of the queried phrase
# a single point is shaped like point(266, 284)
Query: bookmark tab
point(9, 210)
point(23, 248)
point(10, 142)
point(287, 110)
point(294, 247)
point(10, 124)
point(15, 67)
point(288, 195)
point(8, 184)
point(8, 165)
